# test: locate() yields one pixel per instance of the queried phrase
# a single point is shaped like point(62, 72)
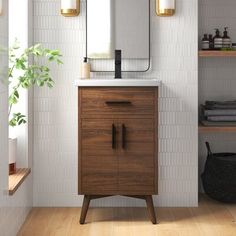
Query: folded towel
point(215, 123)
point(221, 102)
point(220, 112)
point(212, 105)
point(221, 118)
point(220, 107)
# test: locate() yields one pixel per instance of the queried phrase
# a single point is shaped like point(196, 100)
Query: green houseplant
point(24, 75)
point(27, 68)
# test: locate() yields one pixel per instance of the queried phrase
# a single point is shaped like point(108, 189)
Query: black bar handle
point(113, 136)
point(123, 136)
point(109, 103)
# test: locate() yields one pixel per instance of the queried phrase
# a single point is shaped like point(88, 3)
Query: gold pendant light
point(165, 7)
point(70, 7)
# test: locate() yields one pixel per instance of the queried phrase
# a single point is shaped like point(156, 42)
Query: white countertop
point(111, 82)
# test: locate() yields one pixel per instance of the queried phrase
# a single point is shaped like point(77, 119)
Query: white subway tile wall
point(217, 76)
point(174, 47)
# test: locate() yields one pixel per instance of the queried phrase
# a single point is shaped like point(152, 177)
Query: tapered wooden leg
point(85, 207)
point(148, 198)
point(150, 208)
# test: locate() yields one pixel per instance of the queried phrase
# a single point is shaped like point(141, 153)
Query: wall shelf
point(203, 53)
point(216, 129)
point(17, 179)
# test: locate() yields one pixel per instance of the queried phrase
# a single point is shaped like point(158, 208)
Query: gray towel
point(211, 105)
point(221, 103)
point(220, 124)
point(221, 112)
point(220, 107)
point(221, 118)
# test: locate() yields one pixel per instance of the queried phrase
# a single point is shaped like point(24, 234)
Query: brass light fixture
point(165, 7)
point(70, 7)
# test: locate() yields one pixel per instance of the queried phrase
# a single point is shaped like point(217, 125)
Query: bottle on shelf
point(218, 41)
point(234, 46)
point(211, 42)
point(205, 43)
point(226, 41)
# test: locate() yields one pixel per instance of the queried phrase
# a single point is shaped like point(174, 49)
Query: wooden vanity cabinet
point(118, 130)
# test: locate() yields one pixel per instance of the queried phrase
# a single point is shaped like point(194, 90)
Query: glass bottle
point(218, 41)
point(211, 42)
point(226, 41)
point(205, 42)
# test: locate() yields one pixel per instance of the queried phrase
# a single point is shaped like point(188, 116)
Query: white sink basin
point(111, 82)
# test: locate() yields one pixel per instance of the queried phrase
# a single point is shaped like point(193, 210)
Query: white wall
point(14, 209)
point(174, 61)
point(217, 76)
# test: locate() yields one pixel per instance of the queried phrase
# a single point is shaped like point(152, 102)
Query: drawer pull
point(111, 103)
point(113, 136)
point(123, 136)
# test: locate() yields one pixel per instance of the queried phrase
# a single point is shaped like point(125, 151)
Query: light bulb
point(70, 7)
point(165, 7)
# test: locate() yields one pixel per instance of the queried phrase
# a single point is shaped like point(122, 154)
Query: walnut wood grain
point(133, 170)
point(84, 210)
point(151, 209)
point(99, 160)
point(147, 198)
point(136, 161)
point(130, 167)
point(156, 117)
point(94, 101)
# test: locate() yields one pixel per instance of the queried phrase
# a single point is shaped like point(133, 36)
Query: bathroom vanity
point(118, 139)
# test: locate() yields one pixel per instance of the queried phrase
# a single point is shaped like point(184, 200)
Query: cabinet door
point(99, 163)
point(137, 156)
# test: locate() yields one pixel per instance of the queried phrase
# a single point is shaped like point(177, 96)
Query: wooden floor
point(210, 219)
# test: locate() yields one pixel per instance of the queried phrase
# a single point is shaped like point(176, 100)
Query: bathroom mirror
point(118, 24)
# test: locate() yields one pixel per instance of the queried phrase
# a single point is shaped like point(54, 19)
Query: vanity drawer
point(117, 101)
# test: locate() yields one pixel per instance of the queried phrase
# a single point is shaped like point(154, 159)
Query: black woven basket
point(219, 176)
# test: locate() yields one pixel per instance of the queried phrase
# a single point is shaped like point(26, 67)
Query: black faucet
point(118, 64)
